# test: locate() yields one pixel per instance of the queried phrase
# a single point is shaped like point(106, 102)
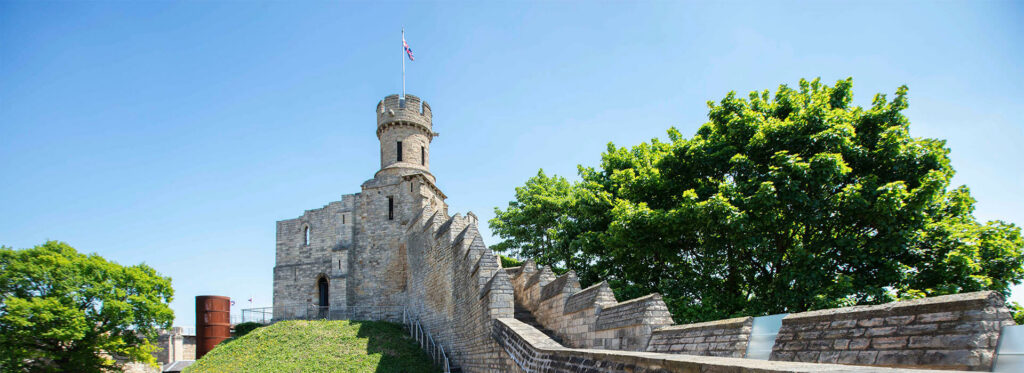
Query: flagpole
point(403, 63)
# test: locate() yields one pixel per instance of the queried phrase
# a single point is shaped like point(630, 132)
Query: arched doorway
point(324, 304)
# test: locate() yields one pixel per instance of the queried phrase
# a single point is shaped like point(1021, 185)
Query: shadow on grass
point(399, 352)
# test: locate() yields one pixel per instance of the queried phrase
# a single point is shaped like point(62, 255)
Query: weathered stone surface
point(392, 251)
point(947, 332)
point(697, 339)
point(532, 351)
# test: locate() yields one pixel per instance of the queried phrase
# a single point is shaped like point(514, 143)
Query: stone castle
point(354, 251)
point(391, 252)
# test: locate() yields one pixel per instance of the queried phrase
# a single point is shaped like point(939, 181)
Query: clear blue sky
point(176, 134)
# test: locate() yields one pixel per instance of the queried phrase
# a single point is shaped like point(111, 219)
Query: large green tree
point(780, 203)
point(62, 311)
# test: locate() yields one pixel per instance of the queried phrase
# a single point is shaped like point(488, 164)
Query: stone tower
point(405, 131)
point(350, 257)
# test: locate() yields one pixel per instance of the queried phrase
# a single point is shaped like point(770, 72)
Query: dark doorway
point(324, 298)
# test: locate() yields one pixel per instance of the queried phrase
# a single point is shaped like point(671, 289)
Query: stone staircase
point(524, 315)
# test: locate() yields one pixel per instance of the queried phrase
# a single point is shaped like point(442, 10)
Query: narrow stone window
point(399, 151)
point(305, 236)
point(423, 155)
point(342, 218)
point(391, 208)
point(410, 186)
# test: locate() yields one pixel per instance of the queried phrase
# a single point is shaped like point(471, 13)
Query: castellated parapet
point(392, 252)
point(405, 130)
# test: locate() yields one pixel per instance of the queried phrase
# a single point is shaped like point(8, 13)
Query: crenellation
point(392, 251)
point(597, 295)
point(566, 284)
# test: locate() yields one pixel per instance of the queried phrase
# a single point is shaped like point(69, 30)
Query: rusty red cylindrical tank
point(213, 322)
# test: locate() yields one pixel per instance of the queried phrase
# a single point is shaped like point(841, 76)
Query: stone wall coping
point(645, 298)
point(737, 322)
point(538, 341)
point(511, 271)
point(561, 285)
point(490, 284)
point(429, 222)
point(527, 267)
point(589, 296)
point(460, 237)
point(943, 303)
point(444, 227)
point(415, 219)
point(539, 276)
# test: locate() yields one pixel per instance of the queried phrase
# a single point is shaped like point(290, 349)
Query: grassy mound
point(319, 346)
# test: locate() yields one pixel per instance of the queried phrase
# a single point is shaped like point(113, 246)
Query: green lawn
point(319, 346)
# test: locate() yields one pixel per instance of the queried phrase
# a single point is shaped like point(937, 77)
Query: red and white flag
point(405, 45)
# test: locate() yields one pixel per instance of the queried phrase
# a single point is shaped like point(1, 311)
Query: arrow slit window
point(391, 208)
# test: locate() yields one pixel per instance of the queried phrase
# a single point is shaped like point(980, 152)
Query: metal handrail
point(309, 311)
point(426, 340)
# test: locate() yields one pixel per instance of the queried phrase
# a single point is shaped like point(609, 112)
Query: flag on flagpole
point(408, 51)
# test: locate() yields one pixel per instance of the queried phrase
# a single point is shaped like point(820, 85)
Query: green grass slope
point(319, 346)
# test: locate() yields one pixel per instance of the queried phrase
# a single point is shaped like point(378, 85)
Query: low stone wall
point(628, 325)
point(727, 338)
point(581, 311)
point(948, 332)
point(958, 331)
point(532, 351)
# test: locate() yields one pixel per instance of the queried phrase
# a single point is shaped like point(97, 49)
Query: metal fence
point(267, 315)
point(425, 340)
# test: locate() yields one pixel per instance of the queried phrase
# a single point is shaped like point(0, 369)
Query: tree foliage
point(780, 203)
point(62, 311)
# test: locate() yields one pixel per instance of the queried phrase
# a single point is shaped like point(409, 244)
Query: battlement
point(394, 110)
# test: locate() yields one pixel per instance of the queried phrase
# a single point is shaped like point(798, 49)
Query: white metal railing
point(425, 340)
point(267, 315)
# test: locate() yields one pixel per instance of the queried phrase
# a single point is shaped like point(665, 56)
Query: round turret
point(393, 110)
point(405, 131)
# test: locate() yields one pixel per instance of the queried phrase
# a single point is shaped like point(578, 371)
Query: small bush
point(245, 327)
